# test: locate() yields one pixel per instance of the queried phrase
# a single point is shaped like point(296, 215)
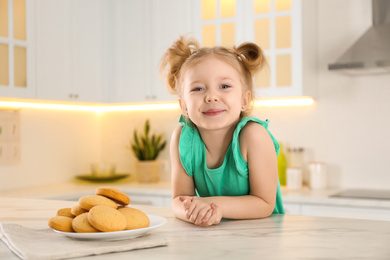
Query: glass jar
point(296, 157)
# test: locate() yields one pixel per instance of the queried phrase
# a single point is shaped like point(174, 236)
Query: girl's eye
point(225, 86)
point(197, 89)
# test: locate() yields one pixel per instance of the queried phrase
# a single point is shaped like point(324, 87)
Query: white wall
point(347, 127)
point(55, 146)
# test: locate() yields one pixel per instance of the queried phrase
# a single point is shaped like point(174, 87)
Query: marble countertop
point(80, 187)
point(276, 237)
point(76, 188)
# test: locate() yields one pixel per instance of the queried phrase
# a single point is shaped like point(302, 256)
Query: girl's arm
point(182, 184)
point(258, 150)
point(184, 200)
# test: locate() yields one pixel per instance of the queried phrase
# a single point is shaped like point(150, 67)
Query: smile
point(213, 112)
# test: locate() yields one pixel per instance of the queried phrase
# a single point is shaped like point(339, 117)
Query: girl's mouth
point(213, 112)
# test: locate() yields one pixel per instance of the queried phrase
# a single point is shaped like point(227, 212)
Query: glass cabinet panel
point(228, 8)
point(20, 67)
point(209, 35)
point(283, 32)
point(4, 81)
point(283, 70)
point(19, 19)
point(209, 9)
point(261, 6)
point(263, 79)
point(218, 24)
point(228, 33)
point(282, 5)
point(262, 33)
point(3, 18)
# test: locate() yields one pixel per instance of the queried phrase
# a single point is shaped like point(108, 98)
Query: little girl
point(223, 162)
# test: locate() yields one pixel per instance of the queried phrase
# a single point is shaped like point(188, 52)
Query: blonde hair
point(247, 59)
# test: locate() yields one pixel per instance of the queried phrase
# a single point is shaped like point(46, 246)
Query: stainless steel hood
point(371, 52)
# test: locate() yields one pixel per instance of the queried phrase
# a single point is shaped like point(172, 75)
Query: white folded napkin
point(43, 244)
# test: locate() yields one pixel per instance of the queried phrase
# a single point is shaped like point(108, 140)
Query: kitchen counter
point(276, 237)
point(74, 189)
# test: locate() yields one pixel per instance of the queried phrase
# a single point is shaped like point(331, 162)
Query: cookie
point(90, 201)
point(81, 224)
point(116, 195)
point(106, 219)
point(61, 223)
point(66, 212)
point(135, 218)
point(77, 210)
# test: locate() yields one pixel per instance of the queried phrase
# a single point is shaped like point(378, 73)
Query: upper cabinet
point(16, 49)
point(110, 50)
point(70, 50)
point(284, 29)
point(142, 31)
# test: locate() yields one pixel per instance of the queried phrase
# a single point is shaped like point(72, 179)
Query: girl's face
point(213, 95)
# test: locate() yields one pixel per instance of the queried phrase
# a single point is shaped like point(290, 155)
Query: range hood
point(371, 52)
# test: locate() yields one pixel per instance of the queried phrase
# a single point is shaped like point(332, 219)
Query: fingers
point(215, 217)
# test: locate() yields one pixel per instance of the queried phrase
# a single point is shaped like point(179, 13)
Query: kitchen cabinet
point(355, 212)
point(17, 76)
point(285, 30)
point(69, 50)
point(150, 200)
point(142, 31)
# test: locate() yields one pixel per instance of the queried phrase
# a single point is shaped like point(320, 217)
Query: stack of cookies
point(105, 211)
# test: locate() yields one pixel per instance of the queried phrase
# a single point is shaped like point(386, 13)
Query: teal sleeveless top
point(232, 177)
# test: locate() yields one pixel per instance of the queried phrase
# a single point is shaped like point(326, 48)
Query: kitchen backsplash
point(347, 127)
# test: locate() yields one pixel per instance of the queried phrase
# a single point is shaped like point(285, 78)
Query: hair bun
point(251, 56)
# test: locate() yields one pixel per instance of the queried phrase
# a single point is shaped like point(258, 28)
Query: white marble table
point(276, 237)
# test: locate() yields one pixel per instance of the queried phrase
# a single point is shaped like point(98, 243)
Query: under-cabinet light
point(291, 101)
point(100, 108)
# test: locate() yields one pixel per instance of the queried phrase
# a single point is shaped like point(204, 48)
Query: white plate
point(155, 222)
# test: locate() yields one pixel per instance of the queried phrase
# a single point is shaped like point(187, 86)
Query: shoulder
point(253, 130)
point(175, 138)
point(253, 137)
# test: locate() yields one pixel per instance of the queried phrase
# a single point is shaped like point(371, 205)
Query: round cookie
point(77, 210)
point(81, 224)
point(61, 223)
point(116, 195)
point(135, 218)
point(66, 212)
point(106, 219)
point(90, 201)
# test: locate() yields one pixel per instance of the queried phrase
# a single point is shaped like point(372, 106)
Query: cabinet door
point(17, 75)
point(292, 208)
point(129, 48)
point(142, 31)
point(346, 212)
point(170, 19)
point(282, 28)
point(69, 50)
point(86, 67)
point(53, 49)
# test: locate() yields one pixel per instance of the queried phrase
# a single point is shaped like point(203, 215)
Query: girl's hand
point(213, 216)
point(200, 212)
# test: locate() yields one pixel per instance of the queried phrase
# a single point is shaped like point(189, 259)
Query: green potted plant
point(146, 147)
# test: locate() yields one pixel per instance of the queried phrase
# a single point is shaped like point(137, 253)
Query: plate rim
point(111, 235)
point(101, 178)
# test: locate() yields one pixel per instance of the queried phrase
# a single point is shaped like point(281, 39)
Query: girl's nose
point(211, 97)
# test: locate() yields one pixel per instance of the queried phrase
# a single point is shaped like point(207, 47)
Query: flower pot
point(148, 171)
